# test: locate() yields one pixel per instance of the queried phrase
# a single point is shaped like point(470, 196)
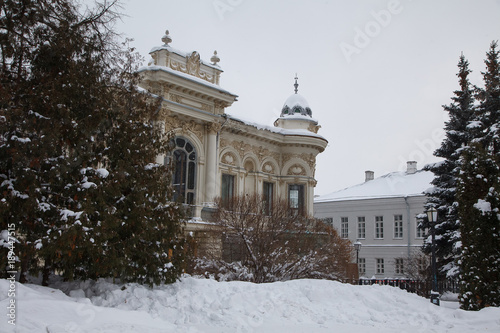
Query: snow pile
point(196, 305)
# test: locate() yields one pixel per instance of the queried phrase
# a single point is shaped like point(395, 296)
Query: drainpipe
point(408, 220)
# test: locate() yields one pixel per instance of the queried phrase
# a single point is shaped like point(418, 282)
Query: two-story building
point(219, 155)
point(381, 214)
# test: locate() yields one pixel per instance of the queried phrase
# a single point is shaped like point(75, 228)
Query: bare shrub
point(259, 247)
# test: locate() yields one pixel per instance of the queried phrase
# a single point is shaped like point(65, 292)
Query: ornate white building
point(217, 154)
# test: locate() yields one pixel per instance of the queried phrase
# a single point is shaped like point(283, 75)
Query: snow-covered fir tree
point(443, 196)
point(479, 197)
point(78, 148)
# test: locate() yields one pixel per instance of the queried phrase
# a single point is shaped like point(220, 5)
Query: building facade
point(382, 214)
point(218, 155)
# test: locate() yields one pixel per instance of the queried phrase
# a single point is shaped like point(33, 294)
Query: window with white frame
point(380, 266)
point(398, 226)
point(361, 227)
point(328, 220)
point(399, 266)
point(379, 227)
point(344, 227)
point(420, 231)
point(362, 266)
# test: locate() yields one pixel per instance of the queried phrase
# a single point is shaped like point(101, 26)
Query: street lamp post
point(357, 247)
point(432, 217)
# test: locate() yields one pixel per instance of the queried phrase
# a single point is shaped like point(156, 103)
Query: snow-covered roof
point(185, 76)
point(274, 129)
point(296, 99)
point(294, 105)
point(394, 184)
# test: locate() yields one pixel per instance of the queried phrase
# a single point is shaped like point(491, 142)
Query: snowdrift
point(197, 305)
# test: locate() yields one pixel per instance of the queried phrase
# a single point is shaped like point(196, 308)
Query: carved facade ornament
point(262, 153)
point(185, 127)
point(192, 67)
point(241, 147)
point(175, 98)
point(268, 168)
point(193, 64)
point(223, 143)
point(296, 170)
point(310, 159)
point(213, 127)
point(229, 158)
point(314, 128)
point(164, 113)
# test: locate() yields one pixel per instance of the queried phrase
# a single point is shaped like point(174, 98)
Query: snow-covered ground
point(197, 305)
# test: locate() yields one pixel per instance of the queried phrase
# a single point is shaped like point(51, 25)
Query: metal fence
point(422, 288)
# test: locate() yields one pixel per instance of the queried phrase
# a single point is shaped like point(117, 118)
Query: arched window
point(184, 166)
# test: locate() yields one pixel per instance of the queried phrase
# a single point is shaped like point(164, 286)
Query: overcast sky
point(375, 73)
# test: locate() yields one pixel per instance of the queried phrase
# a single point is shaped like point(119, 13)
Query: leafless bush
point(276, 246)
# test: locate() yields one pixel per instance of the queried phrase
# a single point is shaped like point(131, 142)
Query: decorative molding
point(175, 98)
point(313, 128)
point(268, 168)
point(296, 170)
point(229, 158)
point(174, 123)
point(192, 67)
point(310, 159)
point(213, 127)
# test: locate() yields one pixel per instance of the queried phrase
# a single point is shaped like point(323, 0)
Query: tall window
point(344, 227)
point(399, 266)
point(380, 266)
point(361, 227)
point(362, 266)
point(268, 195)
point(420, 231)
point(398, 226)
point(379, 227)
point(184, 165)
point(227, 189)
point(296, 199)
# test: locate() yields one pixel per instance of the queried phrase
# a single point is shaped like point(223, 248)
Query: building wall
point(389, 248)
point(194, 108)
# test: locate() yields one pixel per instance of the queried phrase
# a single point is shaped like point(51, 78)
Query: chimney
point(369, 175)
point(411, 167)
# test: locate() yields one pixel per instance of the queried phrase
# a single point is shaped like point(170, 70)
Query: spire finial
point(166, 38)
point(296, 85)
point(215, 58)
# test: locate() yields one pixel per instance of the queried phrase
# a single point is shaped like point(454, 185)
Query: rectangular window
point(379, 227)
point(362, 266)
point(296, 199)
point(328, 220)
point(398, 226)
point(399, 266)
point(380, 266)
point(420, 231)
point(227, 189)
point(344, 227)
point(268, 196)
point(361, 227)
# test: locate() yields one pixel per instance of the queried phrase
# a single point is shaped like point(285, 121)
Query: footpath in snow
point(197, 305)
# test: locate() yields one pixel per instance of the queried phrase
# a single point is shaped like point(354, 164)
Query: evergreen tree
point(479, 204)
point(446, 173)
point(479, 197)
point(78, 149)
